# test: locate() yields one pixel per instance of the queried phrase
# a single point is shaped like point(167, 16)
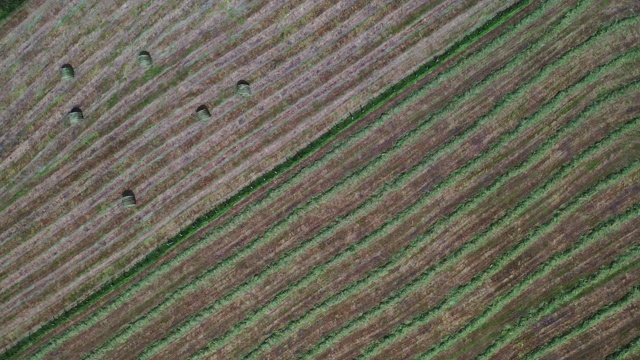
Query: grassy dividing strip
point(554, 261)
point(592, 320)
point(587, 283)
point(627, 352)
point(472, 245)
point(201, 222)
point(368, 205)
point(245, 215)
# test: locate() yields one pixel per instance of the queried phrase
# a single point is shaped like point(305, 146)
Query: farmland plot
point(489, 191)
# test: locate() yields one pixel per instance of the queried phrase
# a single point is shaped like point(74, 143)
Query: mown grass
point(592, 320)
point(142, 105)
point(550, 264)
point(222, 208)
point(581, 287)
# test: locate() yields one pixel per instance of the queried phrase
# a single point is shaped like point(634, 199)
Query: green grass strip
point(467, 247)
point(587, 323)
point(531, 238)
point(225, 206)
point(349, 290)
point(572, 292)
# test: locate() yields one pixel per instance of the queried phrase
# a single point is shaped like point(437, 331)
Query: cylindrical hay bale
point(67, 72)
point(203, 113)
point(243, 88)
point(145, 58)
point(128, 199)
point(76, 116)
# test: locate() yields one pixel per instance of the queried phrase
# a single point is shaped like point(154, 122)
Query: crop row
point(261, 181)
point(467, 248)
point(468, 288)
point(587, 283)
point(598, 316)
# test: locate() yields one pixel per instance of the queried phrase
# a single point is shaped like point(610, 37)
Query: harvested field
point(315, 179)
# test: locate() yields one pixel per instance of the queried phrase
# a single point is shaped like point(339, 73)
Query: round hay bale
point(75, 116)
point(243, 88)
point(67, 72)
point(128, 199)
point(144, 58)
point(202, 112)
